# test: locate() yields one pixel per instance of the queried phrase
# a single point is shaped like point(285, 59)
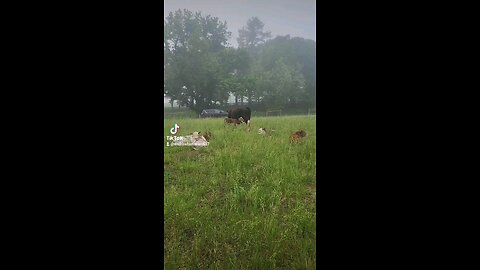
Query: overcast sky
point(282, 17)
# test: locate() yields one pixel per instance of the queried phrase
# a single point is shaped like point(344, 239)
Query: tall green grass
point(246, 201)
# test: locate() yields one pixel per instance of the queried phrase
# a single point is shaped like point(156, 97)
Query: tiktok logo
point(174, 130)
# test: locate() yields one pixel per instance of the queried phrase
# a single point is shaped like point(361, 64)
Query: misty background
point(273, 66)
point(282, 17)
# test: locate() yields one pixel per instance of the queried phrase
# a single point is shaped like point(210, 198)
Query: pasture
point(246, 201)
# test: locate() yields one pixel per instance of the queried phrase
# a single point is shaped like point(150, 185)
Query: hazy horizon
point(281, 17)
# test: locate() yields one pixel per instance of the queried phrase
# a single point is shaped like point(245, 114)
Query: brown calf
point(232, 121)
point(295, 137)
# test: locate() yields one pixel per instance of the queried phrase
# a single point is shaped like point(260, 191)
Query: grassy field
point(245, 201)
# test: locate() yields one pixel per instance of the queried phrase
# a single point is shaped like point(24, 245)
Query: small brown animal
point(232, 121)
point(296, 136)
point(207, 135)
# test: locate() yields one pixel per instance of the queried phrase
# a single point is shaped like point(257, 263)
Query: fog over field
point(281, 17)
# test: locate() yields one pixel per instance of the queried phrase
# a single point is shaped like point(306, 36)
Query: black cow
point(243, 112)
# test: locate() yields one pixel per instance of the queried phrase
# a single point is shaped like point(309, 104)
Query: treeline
point(201, 69)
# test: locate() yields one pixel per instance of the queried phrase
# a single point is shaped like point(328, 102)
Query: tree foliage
point(201, 70)
point(192, 43)
point(252, 34)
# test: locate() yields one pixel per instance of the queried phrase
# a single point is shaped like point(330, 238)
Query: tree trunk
point(236, 100)
point(241, 100)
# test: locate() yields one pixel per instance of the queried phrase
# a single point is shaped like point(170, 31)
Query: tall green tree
point(298, 54)
point(282, 86)
point(236, 65)
point(252, 34)
point(192, 44)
